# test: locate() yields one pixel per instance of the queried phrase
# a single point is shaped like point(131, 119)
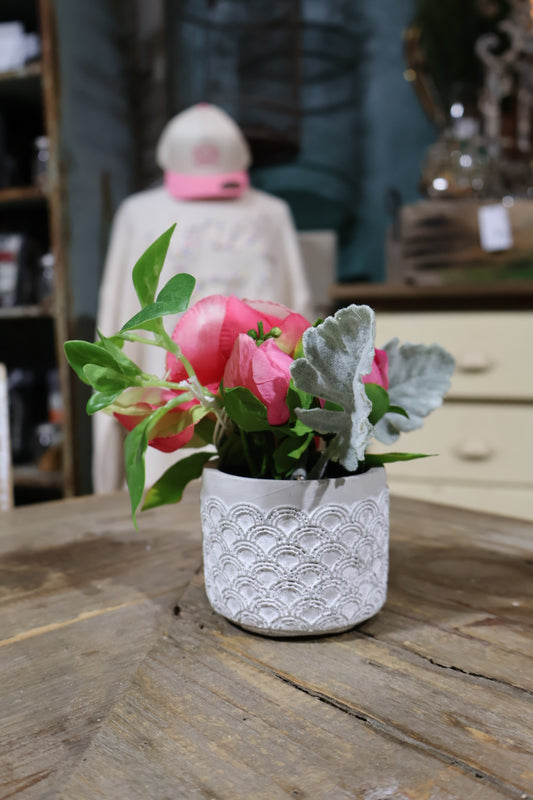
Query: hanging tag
point(495, 228)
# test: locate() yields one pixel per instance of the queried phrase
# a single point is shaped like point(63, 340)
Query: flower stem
point(176, 350)
point(320, 467)
point(152, 380)
point(134, 337)
point(163, 340)
point(246, 451)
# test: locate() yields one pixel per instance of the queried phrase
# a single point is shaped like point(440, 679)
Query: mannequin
point(233, 239)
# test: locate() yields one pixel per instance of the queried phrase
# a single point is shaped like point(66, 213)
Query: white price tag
point(495, 231)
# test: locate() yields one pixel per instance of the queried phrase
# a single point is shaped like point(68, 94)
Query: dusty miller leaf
point(337, 354)
point(419, 377)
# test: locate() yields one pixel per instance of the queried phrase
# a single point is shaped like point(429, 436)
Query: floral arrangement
point(274, 395)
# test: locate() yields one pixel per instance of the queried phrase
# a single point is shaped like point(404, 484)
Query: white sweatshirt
point(246, 246)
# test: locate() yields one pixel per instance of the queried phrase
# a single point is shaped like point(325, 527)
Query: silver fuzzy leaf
point(419, 377)
point(337, 354)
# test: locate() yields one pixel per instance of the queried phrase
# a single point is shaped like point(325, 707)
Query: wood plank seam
point(85, 615)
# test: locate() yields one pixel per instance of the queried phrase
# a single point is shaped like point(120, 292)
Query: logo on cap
point(206, 154)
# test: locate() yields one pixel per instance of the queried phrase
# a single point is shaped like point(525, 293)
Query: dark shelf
point(29, 475)
point(25, 312)
point(506, 295)
point(26, 195)
point(32, 70)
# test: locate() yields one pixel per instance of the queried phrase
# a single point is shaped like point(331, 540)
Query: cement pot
point(295, 558)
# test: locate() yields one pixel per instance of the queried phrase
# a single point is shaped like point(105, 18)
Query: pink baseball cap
point(203, 154)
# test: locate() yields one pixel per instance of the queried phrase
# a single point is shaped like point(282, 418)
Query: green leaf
point(173, 298)
point(100, 400)
point(148, 268)
point(289, 452)
point(176, 292)
point(203, 432)
point(379, 399)
point(135, 446)
point(144, 320)
point(329, 406)
point(338, 353)
point(296, 398)
point(296, 428)
point(106, 379)
point(398, 410)
point(124, 364)
point(378, 459)
point(79, 353)
point(246, 410)
point(169, 488)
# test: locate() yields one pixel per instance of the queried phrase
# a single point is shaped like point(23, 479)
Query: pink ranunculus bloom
point(380, 370)
point(142, 404)
point(264, 370)
point(207, 332)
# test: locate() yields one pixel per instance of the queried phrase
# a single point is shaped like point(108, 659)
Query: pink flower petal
point(167, 444)
point(292, 329)
point(266, 309)
point(379, 372)
point(265, 371)
point(240, 318)
point(198, 334)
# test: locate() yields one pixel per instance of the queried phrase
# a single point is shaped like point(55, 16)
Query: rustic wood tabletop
point(119, 682)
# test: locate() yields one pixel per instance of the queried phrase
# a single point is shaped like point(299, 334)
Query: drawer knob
point(474, 361)
point(475, 450)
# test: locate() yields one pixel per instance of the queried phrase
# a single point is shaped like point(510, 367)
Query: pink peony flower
point(207, 332)
point(141, 404)
point(264, 370)
point(380, 369)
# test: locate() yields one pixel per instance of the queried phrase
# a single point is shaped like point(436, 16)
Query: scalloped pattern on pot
point(287, 572)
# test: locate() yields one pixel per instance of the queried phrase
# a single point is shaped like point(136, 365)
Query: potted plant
point(282, 413)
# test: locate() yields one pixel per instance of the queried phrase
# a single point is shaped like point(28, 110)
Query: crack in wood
point(398, 735)
point(504, 685)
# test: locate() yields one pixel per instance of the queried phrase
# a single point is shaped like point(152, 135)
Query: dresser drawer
point(493, 351)
point(481, 443)
point(508, 502)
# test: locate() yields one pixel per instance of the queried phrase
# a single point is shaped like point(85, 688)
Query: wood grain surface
point(119, 681)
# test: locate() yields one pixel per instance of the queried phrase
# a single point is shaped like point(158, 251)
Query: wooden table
point(119, 682)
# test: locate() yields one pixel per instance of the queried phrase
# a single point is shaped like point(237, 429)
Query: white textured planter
point(295, 558)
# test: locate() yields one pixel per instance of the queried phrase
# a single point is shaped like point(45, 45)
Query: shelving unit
point(67, 95)
point(31, 335)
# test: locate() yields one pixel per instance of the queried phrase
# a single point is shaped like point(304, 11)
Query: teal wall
point(362, 131)
point(381, 138)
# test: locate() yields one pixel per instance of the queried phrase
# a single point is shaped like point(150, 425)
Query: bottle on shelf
point(41, 160)
point(45, 278)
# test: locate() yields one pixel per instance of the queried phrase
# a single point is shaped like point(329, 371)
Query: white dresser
point(483, 434)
